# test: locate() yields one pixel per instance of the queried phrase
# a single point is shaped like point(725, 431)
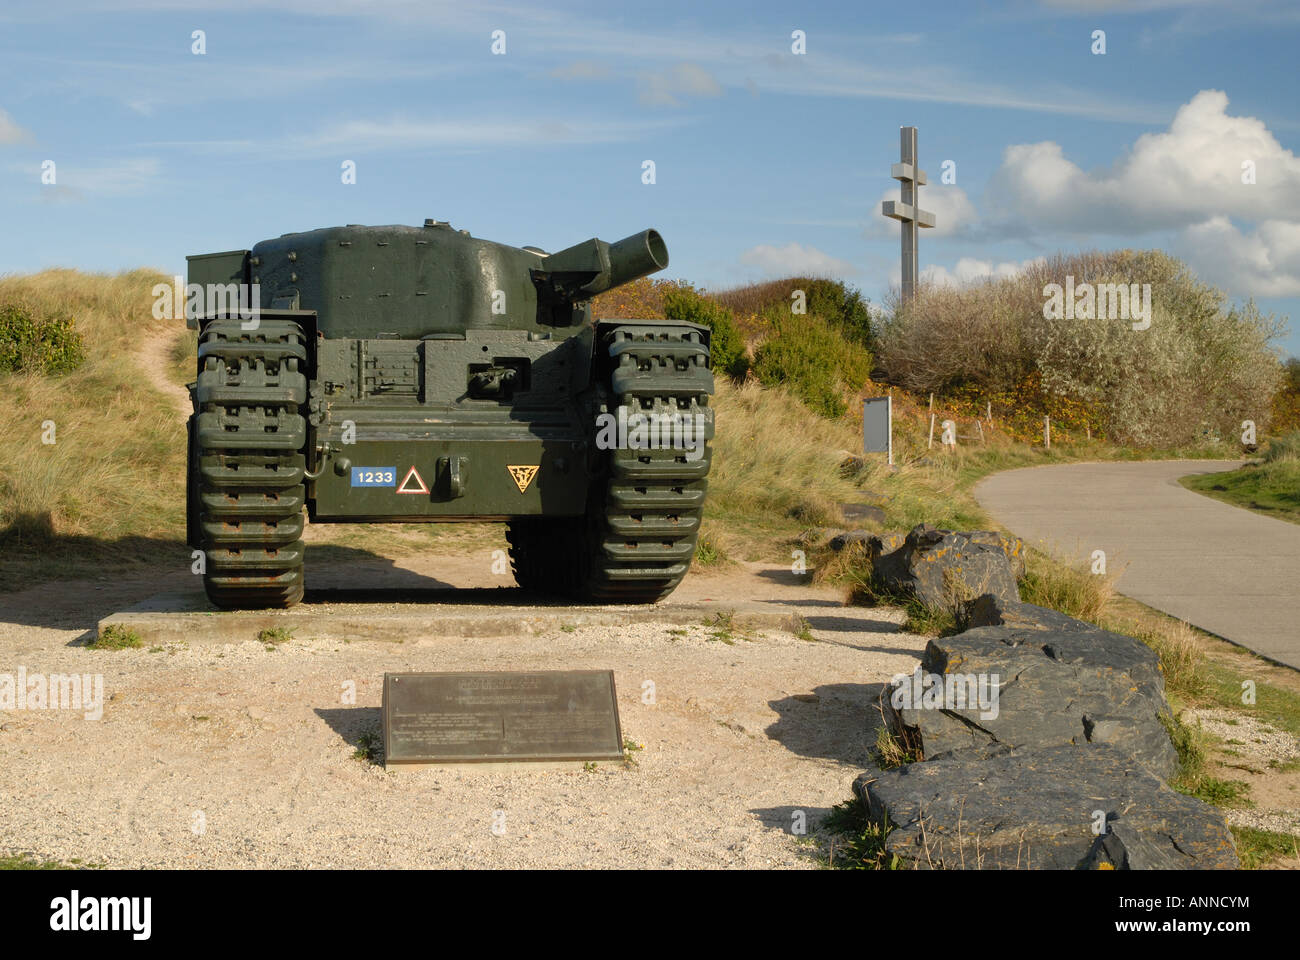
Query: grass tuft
point(890, 752)
point(274, 636)
point(1074, 591)
point(863, 846)
point(370, 748)
point(116, 637)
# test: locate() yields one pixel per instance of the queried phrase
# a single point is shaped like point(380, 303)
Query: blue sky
point(767, 162)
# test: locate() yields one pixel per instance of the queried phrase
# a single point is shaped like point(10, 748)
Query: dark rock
point(1054, 686)
point(993, 611)
point(943, 568)
point(842, 540)
point(883, 544)
point(859, 512)
point(1037, 810)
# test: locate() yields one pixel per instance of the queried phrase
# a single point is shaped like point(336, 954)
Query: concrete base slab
point(177, 618)
point(413, 605)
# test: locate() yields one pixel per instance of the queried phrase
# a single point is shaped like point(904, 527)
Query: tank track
point(247, 463)
point(638, 537)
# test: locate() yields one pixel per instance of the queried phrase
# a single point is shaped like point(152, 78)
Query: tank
point(401, 374)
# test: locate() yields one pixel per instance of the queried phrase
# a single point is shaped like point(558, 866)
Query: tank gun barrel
point(594, 266)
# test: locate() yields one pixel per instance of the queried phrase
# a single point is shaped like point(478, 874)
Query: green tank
point(404, 374)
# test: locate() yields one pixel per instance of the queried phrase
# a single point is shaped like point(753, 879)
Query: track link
point(638, 538)
point(247, 463)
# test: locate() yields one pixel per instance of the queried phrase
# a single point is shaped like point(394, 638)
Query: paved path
point(1221, 568)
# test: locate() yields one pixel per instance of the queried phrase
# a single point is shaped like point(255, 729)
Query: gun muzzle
point(594, 266)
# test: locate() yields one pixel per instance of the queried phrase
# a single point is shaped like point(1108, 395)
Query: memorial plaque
point(481, 717)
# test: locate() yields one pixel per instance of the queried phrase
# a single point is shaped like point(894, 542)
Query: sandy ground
point(233, 755)
point(1259, 754)
point(155, 358)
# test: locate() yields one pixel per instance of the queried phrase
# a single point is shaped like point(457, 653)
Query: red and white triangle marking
point(418, 479)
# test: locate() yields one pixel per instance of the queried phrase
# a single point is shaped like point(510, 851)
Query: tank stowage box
point(417, 374)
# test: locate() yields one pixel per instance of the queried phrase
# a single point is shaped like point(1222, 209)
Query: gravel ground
point(236, 755)
point(1250, 739)
point(1253, 747)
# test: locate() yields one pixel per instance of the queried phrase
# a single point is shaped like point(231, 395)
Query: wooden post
point(1047, 432)
point(980, 424)
point(930, 445)
point(989, 411)
point(932, 403)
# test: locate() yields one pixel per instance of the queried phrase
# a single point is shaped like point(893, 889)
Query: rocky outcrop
point(944, 569)
point(992, 611)
point(1039, 740)
point(1059, 808)
point(990, 689)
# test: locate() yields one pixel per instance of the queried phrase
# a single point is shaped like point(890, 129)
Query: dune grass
point(775, 469)
point(107, 490)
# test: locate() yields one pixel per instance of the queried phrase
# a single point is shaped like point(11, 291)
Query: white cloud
point(899, 68)
point(1262, 263)
point(894, 72)
point(1185, 175)
point(10, 132)
point(1185, 182)
point(665, 88)
point(952, 210)
point(360, 137)
point(796, 260)
point(966, 271)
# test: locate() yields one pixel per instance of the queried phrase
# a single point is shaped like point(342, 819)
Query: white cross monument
point(907, 209)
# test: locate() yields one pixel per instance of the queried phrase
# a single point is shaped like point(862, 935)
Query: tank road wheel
point(247, 455)
point(638, 537)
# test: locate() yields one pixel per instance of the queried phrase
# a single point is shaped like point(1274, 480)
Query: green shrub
point(832, 300)
point(806, 354)
point(728, 346)
point(38, 344)
point(842, 306)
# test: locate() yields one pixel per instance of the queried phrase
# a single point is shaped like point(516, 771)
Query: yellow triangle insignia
point(523, 476)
